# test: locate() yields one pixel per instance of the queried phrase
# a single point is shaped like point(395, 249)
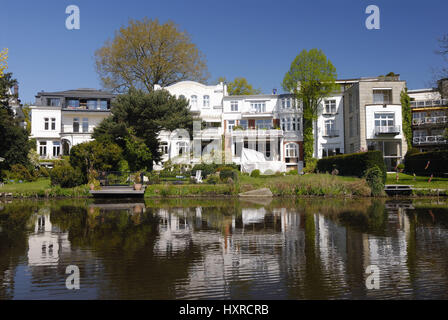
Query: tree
point(14, 143)
point(311, 78)
point(240, 86)
point(146, 53)
point(3, 61)
point(407, 116)
point(139, 117)
point(443, 51)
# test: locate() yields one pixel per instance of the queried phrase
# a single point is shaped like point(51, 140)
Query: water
point(224, 249)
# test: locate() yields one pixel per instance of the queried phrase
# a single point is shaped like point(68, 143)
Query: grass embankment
point(290, 185)
point(438, 186)
point(42, 188)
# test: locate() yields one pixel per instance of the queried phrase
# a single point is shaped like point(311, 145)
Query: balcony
point(387, 130)
point(429, 103)
point(257, 133)
point(426, 140)
point(331, 133)
point(430, 121)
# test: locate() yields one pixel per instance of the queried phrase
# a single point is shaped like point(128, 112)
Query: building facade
point(429, 118)
point(61, 120)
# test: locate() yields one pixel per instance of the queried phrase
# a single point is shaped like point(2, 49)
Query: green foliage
point(406, 116)
point(228, 172)
point(19, 172)
point(374, 178)
point(292, 172)
point(310, 166)
point(417, 162)
point(240, 86)
point(95, 155)
point(255, 173)
point(65, 176)
point(354, 164)
point(212, 179)
point(43, 172)
point(137, 118)
point(311, 78)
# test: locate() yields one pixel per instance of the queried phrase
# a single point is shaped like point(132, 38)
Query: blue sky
point(256, 39)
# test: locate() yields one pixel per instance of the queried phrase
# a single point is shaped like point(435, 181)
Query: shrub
point(212, 180)
point(374, 179)
point(43, 172)
point(66, 176)
point(354, 164)
point(255, 173)
point(417, 162)
point(292, 172)
point(311, 165)
point(20, 172)
point(228, 172)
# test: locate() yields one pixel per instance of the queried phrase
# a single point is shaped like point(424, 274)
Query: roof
point(79, 93)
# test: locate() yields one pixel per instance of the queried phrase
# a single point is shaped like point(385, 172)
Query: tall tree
point(240, 87)
point(311, 78)
point(407, 116)
point(139, 117)
point(14, 143)
point(146, 53)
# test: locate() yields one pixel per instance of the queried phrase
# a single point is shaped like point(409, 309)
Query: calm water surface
point(224, 249)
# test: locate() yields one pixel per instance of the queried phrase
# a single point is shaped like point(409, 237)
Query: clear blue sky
point(256, 39)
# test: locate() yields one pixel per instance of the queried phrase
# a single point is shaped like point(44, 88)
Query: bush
point(417, 162)
point(292, 172)
point(255, 173)
point(66, 176)
point(355, 164)
point(20, 172)
point(43, 172)
point(228, 172)
point(374, 179)
point(212, 180)
point(311, 165)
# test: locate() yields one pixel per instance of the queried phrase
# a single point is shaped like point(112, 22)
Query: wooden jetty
point(398, 189)
point(118, 192)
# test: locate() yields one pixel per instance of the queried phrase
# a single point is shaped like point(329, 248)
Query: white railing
point(387, 129)
point(331, 133)
point(430, 140)
point(430, 120)
point(257, 132)
point(429, 103)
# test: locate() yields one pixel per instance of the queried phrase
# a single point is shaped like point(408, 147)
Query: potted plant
point(137, 181)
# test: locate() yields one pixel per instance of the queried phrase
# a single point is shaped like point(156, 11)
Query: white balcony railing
point(430, 120)
point(331, 133)
point(258, 132)
point(429, 103)
point(387, 130)
point(430, 140)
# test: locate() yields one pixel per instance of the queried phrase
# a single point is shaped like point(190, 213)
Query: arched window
point(206, 101)
point(292, 150)
point(181, 96)
point(194, 101)
point(182, 147)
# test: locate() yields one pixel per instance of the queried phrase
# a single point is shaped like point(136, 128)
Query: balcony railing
point(429, 103)
point(430, 120)
point(430, 140)
point(331, 133)
point(257, 132)
point(387, 130)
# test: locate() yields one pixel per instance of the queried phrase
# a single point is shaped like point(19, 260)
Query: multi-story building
point(60, 120)
point(373, 118)
point(429, 118)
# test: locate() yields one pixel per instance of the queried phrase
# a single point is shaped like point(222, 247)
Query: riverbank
point(320, 185)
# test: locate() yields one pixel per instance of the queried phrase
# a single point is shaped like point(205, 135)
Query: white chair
point(198, 176)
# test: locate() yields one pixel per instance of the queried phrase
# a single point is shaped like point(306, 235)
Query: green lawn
point(420, 182)
point(34, 186)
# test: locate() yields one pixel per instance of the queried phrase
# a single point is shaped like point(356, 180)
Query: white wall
point(38, 124)
point(370, 120)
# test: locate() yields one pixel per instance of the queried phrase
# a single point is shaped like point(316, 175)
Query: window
point(53, 123)
point(286, 103)
point(231, 125)
point(56, 148)
point(54, 102)
point(328, 152)
point(47, 123)
point(85, 125)
point(233, 106)
point(75, 124)
point(263, 124)
point(292, 150)
point(72, 103)
point(43, 148)
point(330, 128)
point(163, 148)
point(92, 104)
point(290, 124)
point(330, 106)
point(194, 101)
point(244, 124)
point(350, 103)
point(350, 127)
point(181, 96)
point(206, 102)
point(103, 104)
point(382, 96)
point(258, 107)
point(384, 119)
point(182, 147)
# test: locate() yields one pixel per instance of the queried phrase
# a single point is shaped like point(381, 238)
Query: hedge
point(417, 162)
point(354, 164)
